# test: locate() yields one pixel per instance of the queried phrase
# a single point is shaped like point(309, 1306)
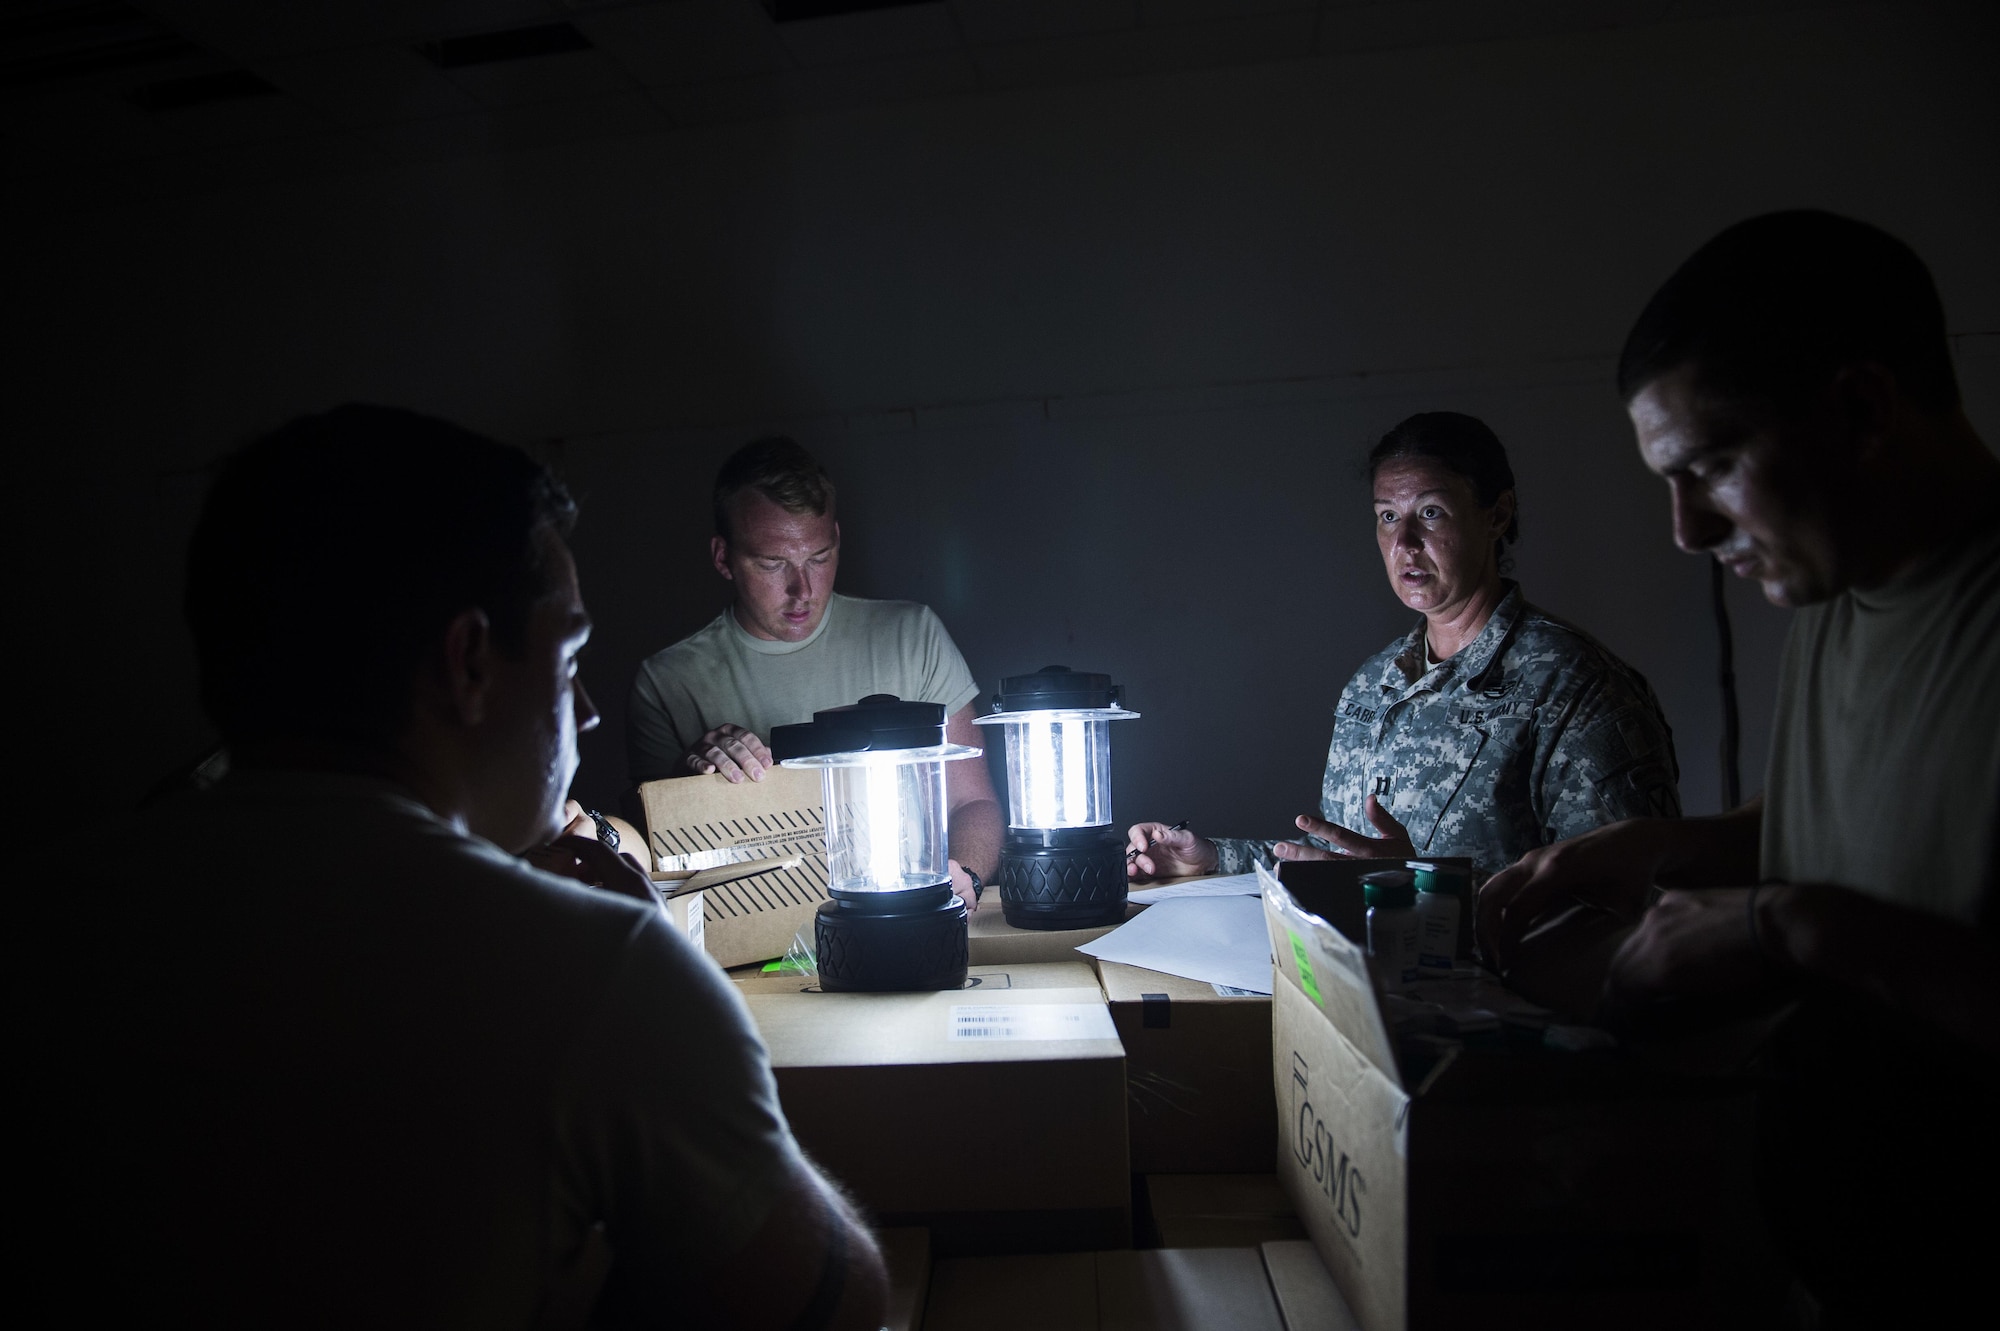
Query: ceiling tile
point(87, 123)
point(248, 29)
point(932, 74)
point(1367, 25)
point(548, 78)
point(1060, 60)
point(1024, 20)
point(368, 85)
point(237, 166)
point(1282, 35)
point(688, 41)
point(243, 120)
point(878, 34)
point(513, 128)
point(1197, 11)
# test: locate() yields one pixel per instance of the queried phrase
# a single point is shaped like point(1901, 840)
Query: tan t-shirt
point(723, 675)
point(1885, 754)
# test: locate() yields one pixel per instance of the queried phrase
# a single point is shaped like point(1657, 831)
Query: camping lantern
point(893, 922)
point(1063, 865)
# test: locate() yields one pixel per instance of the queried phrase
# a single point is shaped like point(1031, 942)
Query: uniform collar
point(1471, 661)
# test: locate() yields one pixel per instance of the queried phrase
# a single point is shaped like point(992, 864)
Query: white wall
point(1094, 366)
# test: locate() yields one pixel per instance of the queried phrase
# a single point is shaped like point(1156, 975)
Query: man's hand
point(1612, 866)
point(1695, 955)
point(961, 886)
point(1393, 844)
point(578, 854)
point(1164, 852)
point(732, 751)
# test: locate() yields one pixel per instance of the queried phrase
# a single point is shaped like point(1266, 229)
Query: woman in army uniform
point(1492, 727)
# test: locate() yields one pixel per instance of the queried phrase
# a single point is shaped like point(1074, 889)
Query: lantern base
point(871, 942)
point(1070, 878)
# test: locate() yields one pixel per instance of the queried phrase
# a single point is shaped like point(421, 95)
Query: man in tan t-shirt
point(790, 646)
point(1793, 386)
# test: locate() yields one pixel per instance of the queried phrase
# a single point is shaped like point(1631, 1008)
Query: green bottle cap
point(1391, 889)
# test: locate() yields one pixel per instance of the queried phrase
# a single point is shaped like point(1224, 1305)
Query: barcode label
point(1231, 991)
point(1038, 1021)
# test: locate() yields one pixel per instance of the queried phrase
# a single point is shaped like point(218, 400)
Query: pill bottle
point(1438, 905)
point(1391, 896)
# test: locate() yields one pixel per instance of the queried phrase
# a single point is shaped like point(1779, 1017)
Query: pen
point(1133, 854)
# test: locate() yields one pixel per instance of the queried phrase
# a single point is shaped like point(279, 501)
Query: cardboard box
point(1197, 1070)
point(1499, 1185)
point(699, 822)
point(1204, 1289)
point(1045, 1292)
point(686, 914)
point(995, 1116)
point(755, 980)
point(907, 1254)
point(1307, 1297)
point(993, 942)
point(1220, 1210)
point(1331, 889)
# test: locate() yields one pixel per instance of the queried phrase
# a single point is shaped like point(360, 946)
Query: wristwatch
point(977, 885)
point(605, 831)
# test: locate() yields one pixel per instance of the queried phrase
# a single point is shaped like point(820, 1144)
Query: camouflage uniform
point(1531, 733)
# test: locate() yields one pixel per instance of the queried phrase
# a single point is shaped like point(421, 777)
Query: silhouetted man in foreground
point(348, 1060)
point(1792, 385)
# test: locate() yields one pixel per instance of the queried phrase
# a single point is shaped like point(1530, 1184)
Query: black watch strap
point(978, 885)
point(605, 831)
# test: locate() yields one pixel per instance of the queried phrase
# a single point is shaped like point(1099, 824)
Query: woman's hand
point(1159, 851)
point(1393, 844)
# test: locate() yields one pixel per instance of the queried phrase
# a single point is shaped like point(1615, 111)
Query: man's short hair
point(780, 470)
point(1773, 307)
point(332, 553)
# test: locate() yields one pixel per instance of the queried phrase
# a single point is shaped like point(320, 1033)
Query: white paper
point(1032, 1021)
point(1231, 885)
point(1213, 939)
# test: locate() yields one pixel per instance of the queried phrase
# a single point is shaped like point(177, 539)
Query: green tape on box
point(1306, 981)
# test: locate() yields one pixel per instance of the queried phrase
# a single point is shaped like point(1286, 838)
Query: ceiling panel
point(1198, 11)
point(549, 78)
point(1369, 25)
point(878, 34)
point(245, 120)
point(1058, 60)
point(89, 123)
point(515, 128)
point(263, 28)
point(1026, 20)
point(688, 41)
point(369, 85)
point(1278, 35)
point(824, 88)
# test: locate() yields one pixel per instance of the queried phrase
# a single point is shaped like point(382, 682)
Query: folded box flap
point(1320, 962)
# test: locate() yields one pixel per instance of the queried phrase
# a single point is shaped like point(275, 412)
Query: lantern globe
point(892, 922)
point(1062, 866)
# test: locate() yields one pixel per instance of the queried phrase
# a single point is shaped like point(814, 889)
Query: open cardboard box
point(994, 1115)
point(1484, 1186)
point(696, 825)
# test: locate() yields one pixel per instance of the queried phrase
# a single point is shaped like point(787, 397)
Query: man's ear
point(718, 554)
point(1870, 404)
point(468, 665)
point(1502, 513)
